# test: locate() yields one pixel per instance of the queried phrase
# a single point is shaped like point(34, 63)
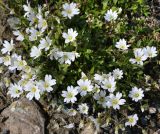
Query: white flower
point(98, 78)
point(8, 47)
point(33, 91)
point(117, 73)
point(115, 100)
point(101, 98)
point(96, 88)
point(84, 86)
point(70, 94)
point(122, 44)
point(27, 8)
point(132, 120)
point(28, 76)
point(109, 84)
point(69, 10)
point(45, 43)
point(19, 35)
point(20, 64)
point(15, 90)
point(32, 18)
point(6, 60)
point(17, 62)
point(83, 108)
point(139, 56)
point(34, 33)
point(150, 51)
point(106, 76)
point(63, 57)
point(53, 54)
point(47, 84)
point(111, 15)
point(35, 52)
point(66, 57)
point(70, 36)
point(23, 82)
point(42, 23)
point(14, 58)
point(27, 69)
point(136, 94)
point(83, 76)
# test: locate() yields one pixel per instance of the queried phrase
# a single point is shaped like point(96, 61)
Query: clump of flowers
point(92, 62)
point(141, 54)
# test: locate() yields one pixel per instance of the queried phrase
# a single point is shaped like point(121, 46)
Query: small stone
point(152, 110)
point(24, 117)
point(88, 129)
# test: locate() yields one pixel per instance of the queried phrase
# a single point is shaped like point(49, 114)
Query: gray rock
point(24, 117)
point(152, 110)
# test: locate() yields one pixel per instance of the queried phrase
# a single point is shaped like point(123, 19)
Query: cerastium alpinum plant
point(89, 54)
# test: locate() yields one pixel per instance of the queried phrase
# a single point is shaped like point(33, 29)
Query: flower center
point(21, 63)
point(84, 108)
point(44, 24)
point(65, 57)
point(33, 89)
point(101, 99)
point(69, 11)
point(138, 59)
point(122, 46)
point(70, 37)
point(150, 54)
point(115, 102)
point(84, 88)
point(38, 33)
point(7, 58)
point(46, 85)
point(111, 17)
point(16, 90)
point(109, 86)
point(35, 20)
point(136, 95)
point(24, 82)
point(69, 95)
point(131, 120)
